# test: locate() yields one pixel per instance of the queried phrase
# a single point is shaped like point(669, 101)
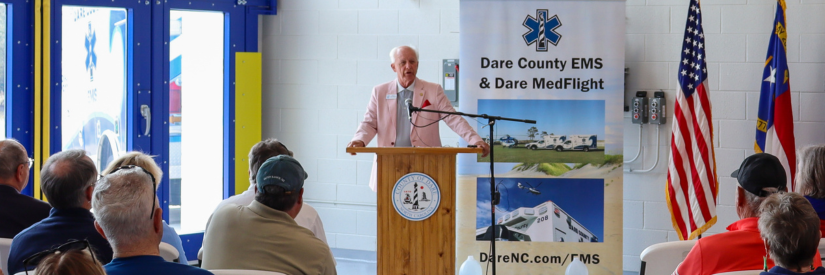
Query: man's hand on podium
point(358, 143)
point(485, 147)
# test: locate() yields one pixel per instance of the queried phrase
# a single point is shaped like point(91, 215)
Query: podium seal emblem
point(416, 196)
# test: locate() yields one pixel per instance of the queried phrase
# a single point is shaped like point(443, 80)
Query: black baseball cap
point(760, 171)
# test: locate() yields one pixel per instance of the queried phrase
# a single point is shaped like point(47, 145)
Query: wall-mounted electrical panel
point(658, 108)
point(638, 108)
point(449, 79)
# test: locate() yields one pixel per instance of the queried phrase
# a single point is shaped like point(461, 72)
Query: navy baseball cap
point(283, 171)
point(759, 171)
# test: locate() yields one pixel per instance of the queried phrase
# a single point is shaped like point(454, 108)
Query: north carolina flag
point(774, 127)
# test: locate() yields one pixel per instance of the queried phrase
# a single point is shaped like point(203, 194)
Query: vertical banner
point(560, 63)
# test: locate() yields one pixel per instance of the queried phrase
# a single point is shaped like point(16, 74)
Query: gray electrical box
point(450, 80)
point(638, 109)
point(658, 108)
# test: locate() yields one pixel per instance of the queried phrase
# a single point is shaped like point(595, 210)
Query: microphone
point(408, 102)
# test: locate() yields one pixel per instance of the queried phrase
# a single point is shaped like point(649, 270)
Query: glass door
point(96, 96)
point(196, 111)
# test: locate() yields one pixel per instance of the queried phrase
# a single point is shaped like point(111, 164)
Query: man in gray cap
point(264, 235)
point(741, 248)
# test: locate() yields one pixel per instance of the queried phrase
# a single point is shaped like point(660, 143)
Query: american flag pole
point(692, 183)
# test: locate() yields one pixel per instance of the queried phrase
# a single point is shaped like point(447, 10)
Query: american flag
point(691, 179)
point(774, 126)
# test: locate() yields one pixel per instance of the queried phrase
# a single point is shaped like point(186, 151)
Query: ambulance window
point(542, 210)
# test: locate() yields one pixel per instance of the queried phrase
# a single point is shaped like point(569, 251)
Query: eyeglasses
point(63, 248)
point(154, 185)
point(30, 162)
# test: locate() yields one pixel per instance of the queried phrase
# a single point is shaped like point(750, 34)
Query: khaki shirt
point(257, 237)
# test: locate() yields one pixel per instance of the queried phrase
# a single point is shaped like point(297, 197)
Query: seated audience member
point(69, 259)
point(17, 211)
point(790, 228)
point(128, 215)
point(741, 248)
point(264, 235)
point(810, 178)
point(146, 162)
point(67, 181)
point(259, 153)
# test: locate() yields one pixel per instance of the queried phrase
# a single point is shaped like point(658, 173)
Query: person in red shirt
point(741, 248)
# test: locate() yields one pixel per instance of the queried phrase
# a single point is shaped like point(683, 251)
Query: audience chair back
point(169, 253)
point(664, 258)
point(243, 272)
point(744, 272)
point(200, 255)
point(5, 246)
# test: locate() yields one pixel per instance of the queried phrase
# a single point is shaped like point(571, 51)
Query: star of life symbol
point(416, 196)
point(91, 57)
point(542, 30)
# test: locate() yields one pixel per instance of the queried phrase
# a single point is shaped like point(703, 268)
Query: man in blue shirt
point(67, 180)
point(128, 215)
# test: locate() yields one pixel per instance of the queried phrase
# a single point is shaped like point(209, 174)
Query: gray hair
point(810, 176)
point(790, 227)
point(65, 177)
point(12, 155)
point(261, 152)
point(395, 51)
point(122, 201)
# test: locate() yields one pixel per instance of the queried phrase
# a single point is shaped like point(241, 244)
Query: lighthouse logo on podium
point(416, 196)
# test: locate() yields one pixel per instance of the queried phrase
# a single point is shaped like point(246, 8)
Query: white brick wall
point(737, 34)
point(321, 58)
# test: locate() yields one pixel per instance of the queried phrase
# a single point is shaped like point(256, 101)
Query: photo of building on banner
point(543, 210)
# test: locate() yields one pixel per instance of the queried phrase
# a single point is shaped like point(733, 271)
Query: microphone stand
point(494, 199)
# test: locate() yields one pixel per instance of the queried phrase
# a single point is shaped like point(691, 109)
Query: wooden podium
point(416, 247)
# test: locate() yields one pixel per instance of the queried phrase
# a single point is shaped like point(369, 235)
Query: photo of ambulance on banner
point(558, 182)
point(555, 138)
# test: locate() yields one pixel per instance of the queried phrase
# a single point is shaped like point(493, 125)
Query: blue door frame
point(240, 35)
point(20, 76)
point(148, 55)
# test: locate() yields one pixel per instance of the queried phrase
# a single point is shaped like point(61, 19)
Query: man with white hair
point(387, 112)
point(128, 215)
point(17, 211)
point(67, 180)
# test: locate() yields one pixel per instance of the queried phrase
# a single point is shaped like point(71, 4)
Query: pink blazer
point(381, 115)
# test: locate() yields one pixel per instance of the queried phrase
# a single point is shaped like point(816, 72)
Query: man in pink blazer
point(383, 114)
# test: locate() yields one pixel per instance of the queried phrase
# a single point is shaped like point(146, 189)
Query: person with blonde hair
point(69, 262)
point(810, 178)
point(146, 162)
